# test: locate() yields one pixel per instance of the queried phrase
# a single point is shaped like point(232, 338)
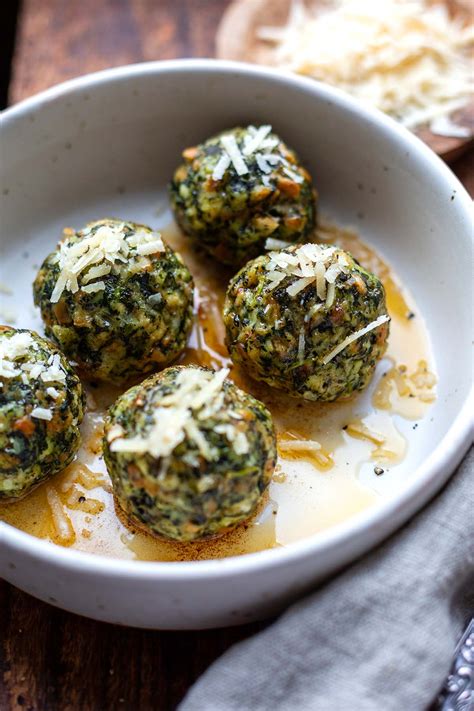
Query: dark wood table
point(50, 659)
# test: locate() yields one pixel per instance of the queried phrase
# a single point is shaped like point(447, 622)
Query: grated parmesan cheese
point(155, 299)
point(355, 336)
point(195, 434)
point(263, 164)
point(241, 443)
point(274, 159)
point(313, 310)
point(151, 247)
point(92, 288)
point(42, 413)
point(254, 142)
point(321, 280)
point(254, 139)
point(233, 151)
point(197, 397)
point(96, 272)
point(98, 253)
point(221, 167)
point(330, 295)
point(273, 244)
point(62, 523)
point(405, 57)
point(237, 437)
point(309, 263)
point(292, 175)
point(54, 373)
point(15, 349)
point(443, 126)
point(299, 285)
point(299, 445)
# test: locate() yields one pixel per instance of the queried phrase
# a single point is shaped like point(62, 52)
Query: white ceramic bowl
point(105, 144)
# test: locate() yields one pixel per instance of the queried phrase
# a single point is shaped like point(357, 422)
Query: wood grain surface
point(61, 39)
point(50, 659)
point(53, 660)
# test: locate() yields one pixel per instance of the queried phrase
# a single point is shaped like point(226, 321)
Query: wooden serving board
point(237, 39)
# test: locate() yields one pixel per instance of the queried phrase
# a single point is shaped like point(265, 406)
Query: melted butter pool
point(350, 446)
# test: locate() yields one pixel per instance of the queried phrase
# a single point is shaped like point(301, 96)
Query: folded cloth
point(380, 636)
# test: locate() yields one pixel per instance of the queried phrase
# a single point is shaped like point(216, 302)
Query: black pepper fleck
point(378, 471)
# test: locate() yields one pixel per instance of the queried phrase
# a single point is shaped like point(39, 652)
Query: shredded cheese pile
point(319, 264)
point(13, 350)
point(309, 263)
point(198, 396)
point(97, 254)
point(405, 57)
point(255, 139)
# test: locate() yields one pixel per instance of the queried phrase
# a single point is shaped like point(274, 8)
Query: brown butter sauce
point(313, 488)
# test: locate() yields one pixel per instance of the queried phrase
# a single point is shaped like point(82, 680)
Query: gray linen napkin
point(380, 636)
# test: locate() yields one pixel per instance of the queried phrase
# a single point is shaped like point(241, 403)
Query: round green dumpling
point(41, 409)
point(308, 320)
point(116, 299)
point(239, 188)
point(189, 454)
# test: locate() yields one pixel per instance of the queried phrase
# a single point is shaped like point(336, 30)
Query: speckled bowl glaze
point(105, 144)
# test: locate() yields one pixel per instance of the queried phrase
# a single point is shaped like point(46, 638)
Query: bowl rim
point(374, 523)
